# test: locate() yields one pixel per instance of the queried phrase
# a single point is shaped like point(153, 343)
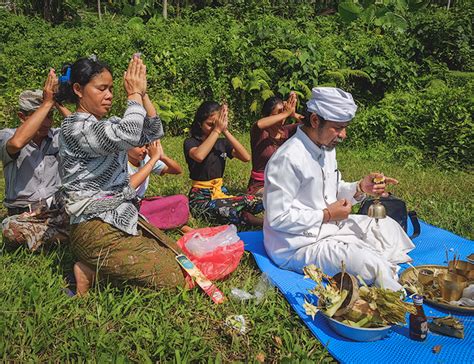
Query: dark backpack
point(397, 210)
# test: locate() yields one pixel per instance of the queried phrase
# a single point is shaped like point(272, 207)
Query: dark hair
point(206, 109)
point(307, 119)
point(269, 104)
point(82, 71)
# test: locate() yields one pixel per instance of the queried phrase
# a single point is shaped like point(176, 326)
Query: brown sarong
point(118, 256)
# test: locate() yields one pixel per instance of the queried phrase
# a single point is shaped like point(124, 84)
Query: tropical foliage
point(248, 55)
point(413, 80)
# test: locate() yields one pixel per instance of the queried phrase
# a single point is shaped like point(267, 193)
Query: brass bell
point(377, 210)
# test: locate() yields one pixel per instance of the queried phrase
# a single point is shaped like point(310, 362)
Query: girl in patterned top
point(106, 235)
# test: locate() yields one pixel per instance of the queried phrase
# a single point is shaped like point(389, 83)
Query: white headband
point(332, 104)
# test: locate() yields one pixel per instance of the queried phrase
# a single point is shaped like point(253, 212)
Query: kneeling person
point(29, 155)
point(308, 205)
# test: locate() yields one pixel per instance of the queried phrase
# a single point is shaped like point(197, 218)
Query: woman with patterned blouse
point(106, 235)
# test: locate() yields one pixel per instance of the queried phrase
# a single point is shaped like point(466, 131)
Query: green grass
point(38, 322)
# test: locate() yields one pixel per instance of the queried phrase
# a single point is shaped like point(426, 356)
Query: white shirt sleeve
point(347, 190)
point(159, 167)
point(283, 180)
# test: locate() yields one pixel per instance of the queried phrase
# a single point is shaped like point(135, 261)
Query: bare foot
point(186, 229)
point(84, 278)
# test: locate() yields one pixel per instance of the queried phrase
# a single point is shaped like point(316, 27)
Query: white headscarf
point(332, 104)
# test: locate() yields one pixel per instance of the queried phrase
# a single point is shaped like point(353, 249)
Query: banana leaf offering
point(342, 299)
point(448, 325)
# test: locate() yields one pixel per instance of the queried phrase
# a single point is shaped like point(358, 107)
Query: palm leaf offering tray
point(425, 280)
point(360, 313)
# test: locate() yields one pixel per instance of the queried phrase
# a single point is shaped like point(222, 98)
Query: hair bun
point(65, 77)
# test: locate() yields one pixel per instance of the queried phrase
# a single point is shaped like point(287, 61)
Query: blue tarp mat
point(397, 347)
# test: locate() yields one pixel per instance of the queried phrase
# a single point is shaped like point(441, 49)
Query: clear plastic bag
point(237, 323)
point(262, 287)
point(200, 245)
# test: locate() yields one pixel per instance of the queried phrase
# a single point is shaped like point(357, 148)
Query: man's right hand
point(50, 87)
point(339, 210)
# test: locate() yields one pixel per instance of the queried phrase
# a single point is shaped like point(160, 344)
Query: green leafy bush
point(221, 54)
point(447, 36)
point(437, 121)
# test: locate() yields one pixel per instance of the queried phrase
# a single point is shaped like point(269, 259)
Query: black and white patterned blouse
point(93, 164)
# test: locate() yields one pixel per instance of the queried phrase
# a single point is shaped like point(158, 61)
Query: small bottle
point(418, 322)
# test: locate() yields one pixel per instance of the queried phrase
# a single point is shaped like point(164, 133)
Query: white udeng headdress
point(332, 104)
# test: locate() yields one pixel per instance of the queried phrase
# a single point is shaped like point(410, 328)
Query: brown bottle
point(418, 322)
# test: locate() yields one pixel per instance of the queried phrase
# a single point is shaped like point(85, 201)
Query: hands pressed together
point(50, 87)
point(134, 78)
point(222, 122)
point(155, 150)
point(290, 106)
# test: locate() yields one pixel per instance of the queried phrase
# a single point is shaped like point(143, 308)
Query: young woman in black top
point(206, 154)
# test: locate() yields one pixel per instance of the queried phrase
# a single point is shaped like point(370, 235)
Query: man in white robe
point(308, 205)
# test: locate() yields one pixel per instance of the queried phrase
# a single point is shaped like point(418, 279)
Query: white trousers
point(370, 250)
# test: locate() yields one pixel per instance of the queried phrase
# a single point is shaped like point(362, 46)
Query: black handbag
point(397, 209)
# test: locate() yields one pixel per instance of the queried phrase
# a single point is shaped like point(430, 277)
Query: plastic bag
point(220, 260)
point(263, 285)
point(200, 245)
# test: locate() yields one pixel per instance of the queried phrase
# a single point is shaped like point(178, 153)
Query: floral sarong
point(223, 210)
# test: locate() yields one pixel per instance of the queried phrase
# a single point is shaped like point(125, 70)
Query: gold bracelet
point(133, 93)
point(329, 214)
